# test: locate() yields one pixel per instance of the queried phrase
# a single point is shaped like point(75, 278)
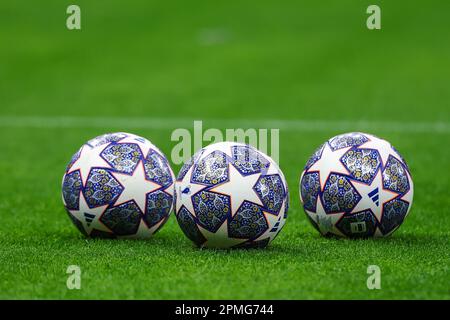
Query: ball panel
point(248, 223)
point(157, 169)
point(286, 205)
point(211, 170)
point(309, 190)
point(123, 157)
point(271, 192)
point(248, 160)
point(211, 209)
point(394, 212)
point(347, 140)
point(71, 189)
point(101, 188)
point(339, 195)
point(159, 206)
point(394, 176)
point(106, 138)
point(403, 161)
point(189, 227)
point(123, 219)
point(362, 164)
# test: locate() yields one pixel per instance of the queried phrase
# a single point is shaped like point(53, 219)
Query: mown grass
point(259, 60)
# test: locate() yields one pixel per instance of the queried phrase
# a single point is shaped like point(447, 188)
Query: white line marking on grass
point(173, 123)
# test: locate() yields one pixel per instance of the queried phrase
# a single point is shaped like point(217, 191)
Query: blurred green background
point(312, 69)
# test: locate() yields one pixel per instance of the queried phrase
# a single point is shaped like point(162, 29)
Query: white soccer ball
point(118, 185)
point(231, 195)
point(356, 185)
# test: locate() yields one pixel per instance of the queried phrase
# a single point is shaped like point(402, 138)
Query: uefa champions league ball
point(231, 195)
point(118, 185)
point(356, 185)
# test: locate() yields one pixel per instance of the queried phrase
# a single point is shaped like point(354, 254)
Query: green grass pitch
point(218, 61)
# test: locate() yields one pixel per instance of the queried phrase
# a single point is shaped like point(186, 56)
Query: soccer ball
point(231, 195)
point(356, 185)
point(118, 185)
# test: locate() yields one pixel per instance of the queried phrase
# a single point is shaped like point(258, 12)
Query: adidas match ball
point(231, 195)
point(118, 185)
point(356, 185)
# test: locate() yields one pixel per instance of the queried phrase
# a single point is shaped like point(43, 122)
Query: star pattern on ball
point(91, 216)
point(325, 222)
point(330, 161)
point(225, 206)
point(136, 186)
point(220, 238)
point(383, 198)
point(373, 196)
point(89, 158)
point(126, 180)
point(229, 189)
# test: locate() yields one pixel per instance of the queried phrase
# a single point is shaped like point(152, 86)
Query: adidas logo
point(275, 227)
point(374, 196)
point(89, 218)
